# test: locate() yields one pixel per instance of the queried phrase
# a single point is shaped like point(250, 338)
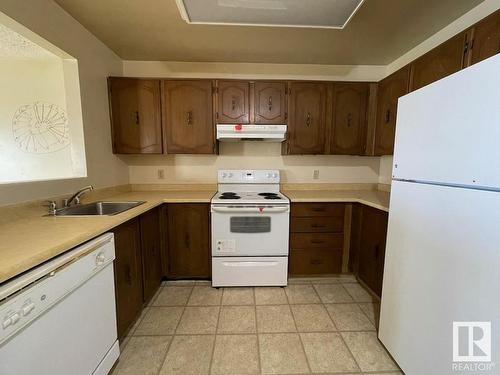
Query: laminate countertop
point(31, 238)
point(28, 238)
point(373, 198)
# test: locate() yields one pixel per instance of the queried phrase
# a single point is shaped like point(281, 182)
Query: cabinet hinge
point(466, 46)
point(217, 115)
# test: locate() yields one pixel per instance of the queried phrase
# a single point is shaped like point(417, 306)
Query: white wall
point(385, 170)
point(176, 69)
point(28, 84)
point(95, 63)
point(253, 155)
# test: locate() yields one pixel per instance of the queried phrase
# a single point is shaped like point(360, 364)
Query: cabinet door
point(151, 252)
point(233, 98)
point(135, 115)
point(187, 117)
point(350, 103)
point(128, 274)
point(270, 102)
point(188, 240)
point(486, 38)
point(372, 248)
point(306, 127)
point(389, 91)
point(438, 63)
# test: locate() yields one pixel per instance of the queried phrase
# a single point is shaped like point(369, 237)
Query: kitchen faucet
point(76, 197)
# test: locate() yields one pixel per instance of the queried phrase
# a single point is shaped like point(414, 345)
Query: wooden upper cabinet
point(389, 90)
point(135, 115)
point(350, 102)
point(233, 102)
point(306, 125)
point(486, 42)
point(270, 102)
point(438, 63)
point(188, 117)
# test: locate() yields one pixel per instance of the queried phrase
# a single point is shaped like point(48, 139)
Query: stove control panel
point(256, 176)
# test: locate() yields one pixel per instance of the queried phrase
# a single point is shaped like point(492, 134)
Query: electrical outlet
point(161, 174)
point(316, 174)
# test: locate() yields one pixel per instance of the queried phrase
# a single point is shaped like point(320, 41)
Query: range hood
point(241, 132)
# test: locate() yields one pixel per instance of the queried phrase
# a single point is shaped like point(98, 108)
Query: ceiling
point(379, 32)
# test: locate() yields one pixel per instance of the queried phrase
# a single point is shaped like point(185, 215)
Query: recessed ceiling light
point(328, 14)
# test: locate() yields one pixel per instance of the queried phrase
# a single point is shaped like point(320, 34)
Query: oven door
point(250, 230)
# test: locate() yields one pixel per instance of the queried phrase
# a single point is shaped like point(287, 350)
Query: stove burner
point(268, 194)
point(272, 197)
point(229, 195)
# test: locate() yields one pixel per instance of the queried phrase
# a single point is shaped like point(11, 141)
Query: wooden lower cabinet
point(128, 274)
point(372, 240)
point(151, 252)
point(188, 240)
point(315, 261)
point(316, 238)
point(137, 265)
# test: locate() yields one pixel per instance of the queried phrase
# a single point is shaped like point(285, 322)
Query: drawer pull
point(318, 226)
point(318, 209)
point(317, 241)
point(316, 261)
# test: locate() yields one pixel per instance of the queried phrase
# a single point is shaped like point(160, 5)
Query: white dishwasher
point(60, 318)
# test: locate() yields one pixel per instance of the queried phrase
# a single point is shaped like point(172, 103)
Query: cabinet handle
point(270, 103)
point(349, 120)
point(318, 226)
point(308, 119)
point(233, 103)
point(190, 117)
point(319, 209)
point(387, 116)
point(128, 275)
point(317, 241)
point(137, 119)
point(316, 261)
point(186, 241)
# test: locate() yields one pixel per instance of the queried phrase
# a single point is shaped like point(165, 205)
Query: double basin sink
point(97, 208)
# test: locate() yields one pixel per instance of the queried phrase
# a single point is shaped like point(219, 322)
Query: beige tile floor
point(324, 326)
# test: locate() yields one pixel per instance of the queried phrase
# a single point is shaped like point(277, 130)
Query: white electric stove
point(250, 229)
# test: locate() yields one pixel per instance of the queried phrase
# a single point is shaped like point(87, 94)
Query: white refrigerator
point(440, 311)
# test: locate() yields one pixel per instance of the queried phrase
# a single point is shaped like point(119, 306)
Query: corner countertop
point(27, 238)
point(373, 198)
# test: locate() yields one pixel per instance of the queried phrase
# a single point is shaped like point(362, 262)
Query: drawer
point(318, 209)
point(317, 224)
point(316, 240)
point(253, 271)
point(315, 261)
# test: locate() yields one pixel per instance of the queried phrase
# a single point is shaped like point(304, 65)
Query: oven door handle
point(257, 210)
